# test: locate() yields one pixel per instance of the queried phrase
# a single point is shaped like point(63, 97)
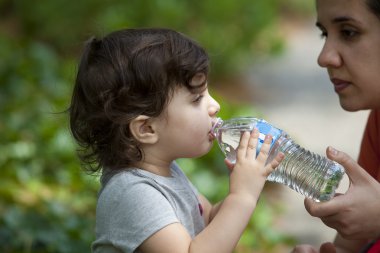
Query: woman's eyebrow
point(336, 20)
point(342, 19)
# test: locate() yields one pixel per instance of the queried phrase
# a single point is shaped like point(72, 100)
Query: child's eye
point(198, 98)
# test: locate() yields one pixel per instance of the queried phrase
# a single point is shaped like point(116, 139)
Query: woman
point(351, 55)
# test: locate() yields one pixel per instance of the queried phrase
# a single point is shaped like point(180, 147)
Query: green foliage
point(47, 204)
point(232, 31)
point(44, 195)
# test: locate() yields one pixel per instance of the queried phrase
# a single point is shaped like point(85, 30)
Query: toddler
point(140, 102)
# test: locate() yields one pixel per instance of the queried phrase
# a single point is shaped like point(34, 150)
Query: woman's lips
point(339, 84)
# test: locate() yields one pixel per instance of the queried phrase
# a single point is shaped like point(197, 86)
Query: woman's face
point(351, 52)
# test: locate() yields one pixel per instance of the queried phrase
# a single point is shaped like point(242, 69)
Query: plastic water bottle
point(308, 173)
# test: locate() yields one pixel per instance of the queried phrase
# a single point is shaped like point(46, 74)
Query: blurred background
point(263, 64)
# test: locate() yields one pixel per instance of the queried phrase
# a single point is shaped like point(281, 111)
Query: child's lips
point(211, 136)
point(211, 133)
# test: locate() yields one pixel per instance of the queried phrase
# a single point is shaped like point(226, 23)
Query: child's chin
point(203, 152)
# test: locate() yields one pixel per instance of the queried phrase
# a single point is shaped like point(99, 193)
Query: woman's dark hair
point(374, 6)
point(127, 73)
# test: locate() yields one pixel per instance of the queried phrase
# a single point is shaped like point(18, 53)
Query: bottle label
point(265, 128)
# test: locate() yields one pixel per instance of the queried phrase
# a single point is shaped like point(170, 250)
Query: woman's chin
point(350, 106)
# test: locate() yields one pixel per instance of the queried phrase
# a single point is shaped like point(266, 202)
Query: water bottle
point(308, 173)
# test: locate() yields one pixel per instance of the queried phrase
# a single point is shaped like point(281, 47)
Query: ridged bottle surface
point(308, 173)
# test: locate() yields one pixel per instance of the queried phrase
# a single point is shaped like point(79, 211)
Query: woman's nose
point(329, 57)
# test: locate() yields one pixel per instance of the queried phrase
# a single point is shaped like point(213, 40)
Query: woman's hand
point(355, 214)
point(327, 247)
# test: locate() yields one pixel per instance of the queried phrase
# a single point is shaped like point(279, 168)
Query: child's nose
point(214, 107)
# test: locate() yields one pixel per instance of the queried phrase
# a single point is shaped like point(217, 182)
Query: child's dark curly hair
point(127, 73)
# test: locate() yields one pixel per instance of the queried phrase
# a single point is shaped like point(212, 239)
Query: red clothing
point(369, 156)
point(375, 248)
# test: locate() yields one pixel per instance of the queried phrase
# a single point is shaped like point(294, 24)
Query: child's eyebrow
point(201, 85)
point(198, 89)
point(198, 83)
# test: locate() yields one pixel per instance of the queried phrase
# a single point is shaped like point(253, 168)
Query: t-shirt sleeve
point(127, 218)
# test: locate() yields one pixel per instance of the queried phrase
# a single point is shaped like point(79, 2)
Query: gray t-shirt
point(134, 204)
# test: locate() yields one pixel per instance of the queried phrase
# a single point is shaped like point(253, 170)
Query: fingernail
point(333, 151)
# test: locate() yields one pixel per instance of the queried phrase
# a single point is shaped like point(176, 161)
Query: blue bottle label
point(265, 128)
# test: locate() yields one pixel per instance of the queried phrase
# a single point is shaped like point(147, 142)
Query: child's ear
point(142, 130)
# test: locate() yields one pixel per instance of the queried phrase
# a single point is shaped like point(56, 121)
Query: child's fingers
point(252, 143)
point(242, 148)
point(275, 162)
point(229, 164)
point(264, 151)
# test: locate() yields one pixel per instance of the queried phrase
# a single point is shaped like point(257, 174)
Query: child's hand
point(249, 174)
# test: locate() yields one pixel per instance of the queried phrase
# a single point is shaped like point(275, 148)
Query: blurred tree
point(233, 30)
point(47, 204)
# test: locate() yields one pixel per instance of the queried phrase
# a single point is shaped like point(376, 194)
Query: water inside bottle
point(229, 133)
point(308, 173)
point(229, 140)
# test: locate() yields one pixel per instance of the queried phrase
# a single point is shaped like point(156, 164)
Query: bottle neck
point(215, 127)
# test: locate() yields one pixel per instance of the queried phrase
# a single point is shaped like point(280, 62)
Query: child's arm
point(225, 229)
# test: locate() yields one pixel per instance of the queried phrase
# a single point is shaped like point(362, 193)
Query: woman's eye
point(323, 34)
point(348, 33)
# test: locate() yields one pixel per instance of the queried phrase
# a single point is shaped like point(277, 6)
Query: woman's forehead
point(338, 11)
point(340, 7)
